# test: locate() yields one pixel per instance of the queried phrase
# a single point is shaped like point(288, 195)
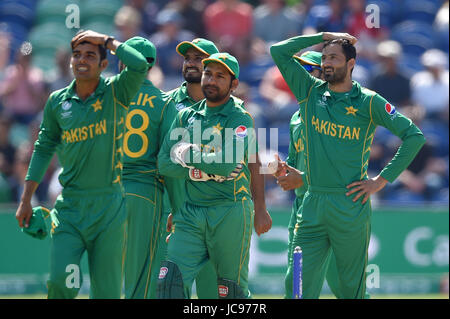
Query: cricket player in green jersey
point(339, 121)
point(187, 95)
point(289, 177)
point(85, 123)
point(212, 158)
point(145, 128)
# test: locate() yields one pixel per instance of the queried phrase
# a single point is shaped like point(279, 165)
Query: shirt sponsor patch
point(180, 106)
point(163, 272)
point(66, 105)
point(223, 291)
point(241, 131)
point(390, 109)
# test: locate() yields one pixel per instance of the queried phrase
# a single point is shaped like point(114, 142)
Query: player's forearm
point(212, 163)
point(28, 191)
point(40, 160)
point(167, 167)
point(284, 50)
point(404, 156)
point(257, 185)
point(129, 56)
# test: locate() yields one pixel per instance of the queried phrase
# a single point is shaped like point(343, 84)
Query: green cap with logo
point(37, 227)
point(310, 57)
point(226, 60)
point(145, 47)
point(205, 46)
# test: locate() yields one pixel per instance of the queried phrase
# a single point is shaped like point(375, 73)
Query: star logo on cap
point(97, 105)
point(222, 56)
point(351, 110)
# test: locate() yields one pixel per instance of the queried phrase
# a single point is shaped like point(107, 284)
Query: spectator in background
point(389, 80)
point(274, 21)
point(325, 17)
point(228, 23)
point(4, 52)
point(427, 175)
point(128, 23)
point(192, 11)
point(17, 179)
point(63, 75)
point(5, 191)
point(170, 33)
point(281, 101)
point(148, 10)
point(441, 26)
point(430, 87)
point(22, 90)
point(368, 38)
point(7, 150)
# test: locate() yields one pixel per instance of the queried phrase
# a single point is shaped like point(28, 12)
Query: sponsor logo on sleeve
point(390, 109)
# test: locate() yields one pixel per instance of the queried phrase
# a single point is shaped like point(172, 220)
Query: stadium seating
point(415, 37)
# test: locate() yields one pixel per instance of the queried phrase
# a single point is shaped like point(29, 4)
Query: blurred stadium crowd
point(405, 60)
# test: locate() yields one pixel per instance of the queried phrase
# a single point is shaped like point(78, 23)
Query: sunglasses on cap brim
point(310, 68)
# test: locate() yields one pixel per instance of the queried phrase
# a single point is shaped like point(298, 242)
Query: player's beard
point(192, 77)
point(337, 75)
point(213, 93)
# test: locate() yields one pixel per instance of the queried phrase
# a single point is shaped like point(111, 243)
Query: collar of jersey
point(183, 94)
point(71, 94)
point(354, 92)
point(223, 109)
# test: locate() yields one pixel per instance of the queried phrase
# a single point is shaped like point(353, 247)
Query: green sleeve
point(165, 165)
point(401, 126)
point(291, 160)
point(128, 82)
point(169, 112)
point(297, 78)
point(234, 149)
point(45, 146)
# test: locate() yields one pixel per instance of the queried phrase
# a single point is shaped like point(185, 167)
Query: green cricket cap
point(310, 57)
point(205, 46)
point(145, 47)
point(226, 60)
point(37, 227)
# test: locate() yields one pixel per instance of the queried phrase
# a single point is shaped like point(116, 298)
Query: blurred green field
point(403, 296)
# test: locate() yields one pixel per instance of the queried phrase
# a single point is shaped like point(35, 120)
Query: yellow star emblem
point(97, 105)
point(217, 128)
point(222, 56)
point(351, 110)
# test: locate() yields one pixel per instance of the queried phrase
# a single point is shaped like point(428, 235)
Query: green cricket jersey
point(146, 125)
point(339, 127)
point(296, 156)
point(87, 135)
point(224, 133)
point(182, 101)
point(181, 97)
point(175, 186)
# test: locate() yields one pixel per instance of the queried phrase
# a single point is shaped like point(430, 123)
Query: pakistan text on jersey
point(80, 134)
point(335, 130)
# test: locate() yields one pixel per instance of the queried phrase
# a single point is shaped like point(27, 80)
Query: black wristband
point(107, 40)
